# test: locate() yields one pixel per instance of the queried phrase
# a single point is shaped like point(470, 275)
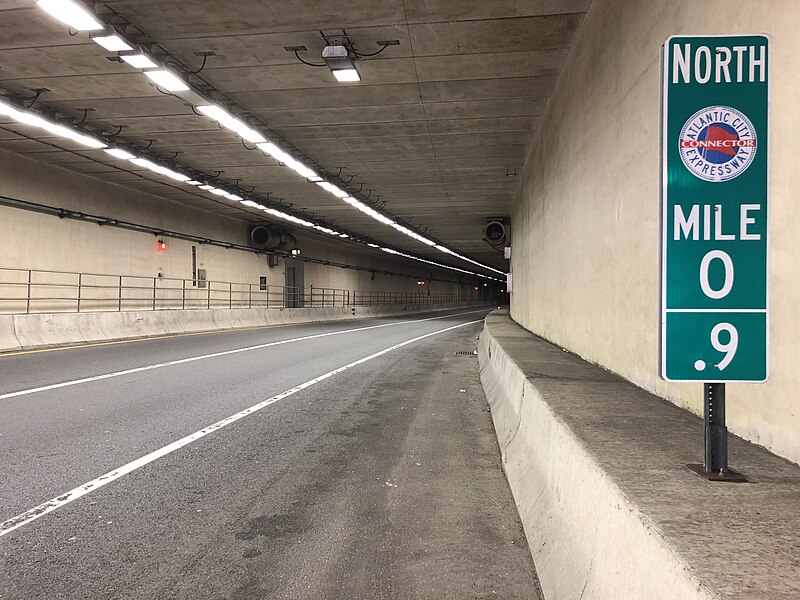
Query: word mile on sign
point(714, 315)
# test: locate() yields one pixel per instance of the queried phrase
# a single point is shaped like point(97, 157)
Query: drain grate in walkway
point(466, 353)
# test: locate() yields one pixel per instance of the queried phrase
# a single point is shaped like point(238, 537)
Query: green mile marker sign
point(715, 193)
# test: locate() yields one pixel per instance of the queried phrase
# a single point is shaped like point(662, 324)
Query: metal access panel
point(715, 193)
point(201, 278)
point(294, 282)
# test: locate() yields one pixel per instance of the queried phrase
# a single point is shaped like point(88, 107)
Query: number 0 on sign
point(714, 244)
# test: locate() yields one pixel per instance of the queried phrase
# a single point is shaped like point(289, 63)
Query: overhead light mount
point(340, 55)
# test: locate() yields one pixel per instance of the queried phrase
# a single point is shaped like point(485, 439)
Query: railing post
point(230, 294)
point(249, 295)
point(208, 289)
point(183, 294)
point(267, 290)
point(155, 279)
point(119, 297)
point(80, 281)
point(28, 303)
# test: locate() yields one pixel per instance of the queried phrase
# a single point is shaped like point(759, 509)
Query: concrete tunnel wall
point(40, 241)
point(586, 220)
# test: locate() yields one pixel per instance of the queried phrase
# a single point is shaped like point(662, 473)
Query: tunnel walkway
point(346, 460)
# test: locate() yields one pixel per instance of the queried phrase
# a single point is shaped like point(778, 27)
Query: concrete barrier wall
point(18, 332)
point(587, 539)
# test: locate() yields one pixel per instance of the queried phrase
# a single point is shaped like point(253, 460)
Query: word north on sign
point(714, 311)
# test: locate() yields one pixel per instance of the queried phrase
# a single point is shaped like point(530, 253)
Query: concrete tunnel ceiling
point(437, 128)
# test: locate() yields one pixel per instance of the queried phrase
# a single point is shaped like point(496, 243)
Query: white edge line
point(55, 503)
point(181, 361)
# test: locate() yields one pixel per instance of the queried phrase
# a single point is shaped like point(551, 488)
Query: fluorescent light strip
point(228, 121)
point(475, 262)
point(346, 75)
point(290, 218)
point(167, 80)
point(120, 153)
point(150, 165)
point(294, 164)
point(326, 230)
point(72, 14)
point(29, 118)
point(254, 204)
point(139, 61)
point(112, 42)
point(434, 263)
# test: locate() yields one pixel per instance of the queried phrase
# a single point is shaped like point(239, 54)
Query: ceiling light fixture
point(28, 118)
point(72, 13)
point(342, 62)
point(120, 153)
point(111, 41)
point(167, 80)
point(228, 121)
point(347, 75)
point(150, 165)
point(252, 204)
point(340, 56)
point(139, 60)
point(326, 230)
point(287, 217)
point(294, 164)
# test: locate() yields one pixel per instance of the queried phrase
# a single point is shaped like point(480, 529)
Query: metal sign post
point(714, 244)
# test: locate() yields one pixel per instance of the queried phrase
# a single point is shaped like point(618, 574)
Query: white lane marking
point(182, 361)
point(95, 484)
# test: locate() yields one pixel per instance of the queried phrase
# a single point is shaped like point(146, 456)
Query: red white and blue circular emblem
point(718, 143)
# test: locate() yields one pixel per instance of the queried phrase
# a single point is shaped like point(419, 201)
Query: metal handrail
point(120, 293)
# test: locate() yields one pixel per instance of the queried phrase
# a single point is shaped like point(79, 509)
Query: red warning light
point(476, 288)
point(161, 245)
point(420, 283)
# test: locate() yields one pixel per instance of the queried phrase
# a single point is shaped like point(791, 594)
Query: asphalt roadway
point(334, 460)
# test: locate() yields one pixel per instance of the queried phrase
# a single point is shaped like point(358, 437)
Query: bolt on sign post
point(715, 168)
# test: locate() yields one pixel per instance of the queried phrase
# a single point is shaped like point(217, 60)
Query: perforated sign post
point(714, 319)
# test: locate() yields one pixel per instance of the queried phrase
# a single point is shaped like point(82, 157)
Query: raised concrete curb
point(597, 469)
point(21, 332)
